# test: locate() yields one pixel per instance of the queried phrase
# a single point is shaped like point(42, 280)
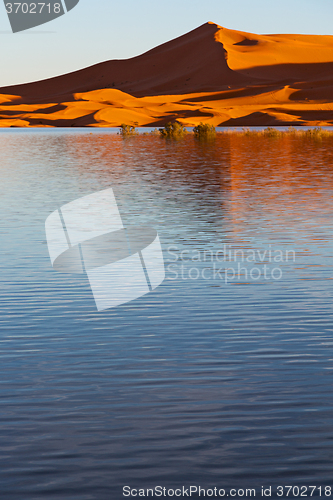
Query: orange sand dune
point(212, 74)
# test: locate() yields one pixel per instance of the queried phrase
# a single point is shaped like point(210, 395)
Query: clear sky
point(99, 30)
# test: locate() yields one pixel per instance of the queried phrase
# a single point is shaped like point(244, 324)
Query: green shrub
point(317, 133)
point(272, 132)
point(314, 133)
point(204, 131)
point(173, 130)
point(154, 132)
point(267, 132)
point(128, 129)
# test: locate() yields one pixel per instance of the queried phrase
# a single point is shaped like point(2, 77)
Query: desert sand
point(212, 74)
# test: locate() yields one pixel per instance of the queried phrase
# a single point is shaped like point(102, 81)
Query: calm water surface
point(200, 382)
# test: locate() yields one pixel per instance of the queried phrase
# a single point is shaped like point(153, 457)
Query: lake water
point(218, 378)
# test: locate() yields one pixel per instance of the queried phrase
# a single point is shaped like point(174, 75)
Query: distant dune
point(212, 74)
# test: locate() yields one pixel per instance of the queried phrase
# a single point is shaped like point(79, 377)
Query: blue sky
point(98, 30)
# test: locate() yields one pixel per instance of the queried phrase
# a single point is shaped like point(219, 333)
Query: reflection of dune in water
point(275, 186)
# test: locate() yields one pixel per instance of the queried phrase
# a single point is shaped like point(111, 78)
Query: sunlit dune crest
point(212, 74)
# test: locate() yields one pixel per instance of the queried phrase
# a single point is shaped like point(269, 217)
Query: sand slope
point(212, 74)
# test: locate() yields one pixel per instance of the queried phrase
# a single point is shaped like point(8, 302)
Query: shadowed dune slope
point(212, 74)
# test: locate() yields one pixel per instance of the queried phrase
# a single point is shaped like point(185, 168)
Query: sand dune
point(212, 74)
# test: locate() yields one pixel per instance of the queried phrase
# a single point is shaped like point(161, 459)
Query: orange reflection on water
point(285, 183)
